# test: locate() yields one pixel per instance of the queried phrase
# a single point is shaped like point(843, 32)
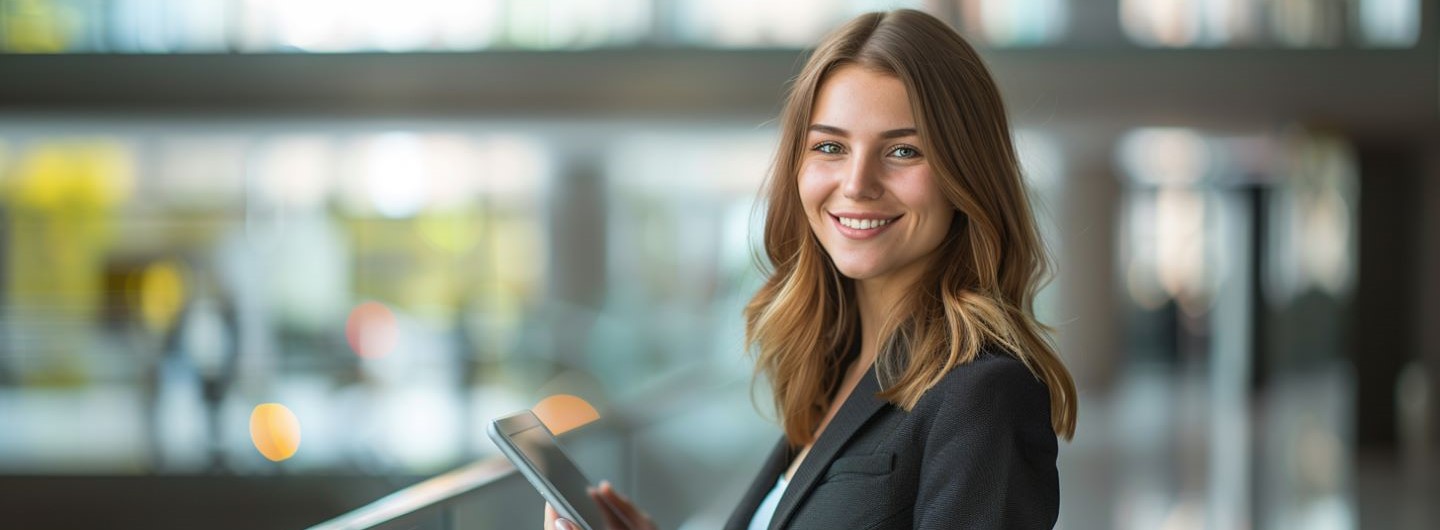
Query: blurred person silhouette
point(914, 385)
point(201, 347)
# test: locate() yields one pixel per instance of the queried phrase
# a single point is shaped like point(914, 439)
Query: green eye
point(904, 152)
point(829, 148)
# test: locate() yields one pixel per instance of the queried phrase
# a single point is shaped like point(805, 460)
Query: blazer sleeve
point(989, 458)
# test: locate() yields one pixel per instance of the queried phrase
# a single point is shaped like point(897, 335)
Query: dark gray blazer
point(976, 452)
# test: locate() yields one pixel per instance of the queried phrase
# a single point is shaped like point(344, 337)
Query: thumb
point(564, 524)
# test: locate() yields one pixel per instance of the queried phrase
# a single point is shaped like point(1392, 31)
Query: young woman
point(897, 329)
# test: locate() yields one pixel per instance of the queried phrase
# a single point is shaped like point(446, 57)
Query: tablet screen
point(550, 462)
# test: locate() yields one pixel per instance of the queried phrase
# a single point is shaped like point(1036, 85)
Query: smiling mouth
point(863, 224)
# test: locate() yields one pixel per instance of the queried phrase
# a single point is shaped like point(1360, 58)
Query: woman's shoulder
point(994, 379)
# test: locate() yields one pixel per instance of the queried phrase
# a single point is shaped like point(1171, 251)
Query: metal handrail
point(432, 493)
point(667, 396)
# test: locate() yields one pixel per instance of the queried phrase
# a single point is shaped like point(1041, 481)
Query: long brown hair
point(980, 288)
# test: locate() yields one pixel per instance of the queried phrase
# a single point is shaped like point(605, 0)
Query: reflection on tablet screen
point(540, 449)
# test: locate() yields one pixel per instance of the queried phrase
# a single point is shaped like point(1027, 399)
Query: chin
point(858, 271)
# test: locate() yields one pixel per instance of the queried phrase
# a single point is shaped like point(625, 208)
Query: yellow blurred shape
point(275, 431)
point(564, 412)
point(371, 330)
point(162, 294)
point(36, 26)
point(454, 232)
point(74, 176)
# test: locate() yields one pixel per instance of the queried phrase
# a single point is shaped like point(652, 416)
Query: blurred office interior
point(398, 219)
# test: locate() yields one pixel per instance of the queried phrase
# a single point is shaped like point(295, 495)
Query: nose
point(861, 181)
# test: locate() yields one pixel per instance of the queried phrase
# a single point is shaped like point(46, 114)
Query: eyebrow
point(893, 133)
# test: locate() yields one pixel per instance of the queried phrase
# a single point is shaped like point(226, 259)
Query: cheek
point(924, 196)
point(813, 188)
point(943, 218)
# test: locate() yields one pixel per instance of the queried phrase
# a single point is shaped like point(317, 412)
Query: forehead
point(862, 100)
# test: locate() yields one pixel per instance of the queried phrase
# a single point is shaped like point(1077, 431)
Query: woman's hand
point(619, 512)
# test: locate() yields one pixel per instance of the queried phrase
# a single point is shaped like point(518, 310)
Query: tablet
point(533, 449)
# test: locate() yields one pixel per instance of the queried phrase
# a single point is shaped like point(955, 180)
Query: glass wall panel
point(1003, 23)
point(166, 279)
point(1388, 23)
point(1208, 318)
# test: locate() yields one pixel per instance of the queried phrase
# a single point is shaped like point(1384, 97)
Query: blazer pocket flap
point(872, 464)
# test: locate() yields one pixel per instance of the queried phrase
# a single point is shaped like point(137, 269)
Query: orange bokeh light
point(564, 412)
point(275, 431)
point(371, 330)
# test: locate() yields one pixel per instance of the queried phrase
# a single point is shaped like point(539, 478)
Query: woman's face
point(868, 192)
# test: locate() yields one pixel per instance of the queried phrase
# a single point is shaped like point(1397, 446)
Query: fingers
point(622, 505)
point(613, 519)
point(625, 510)
point(618, 511)
point(553, 521)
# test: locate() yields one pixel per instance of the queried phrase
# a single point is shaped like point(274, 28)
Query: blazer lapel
point(857, 409)
point(774, 465)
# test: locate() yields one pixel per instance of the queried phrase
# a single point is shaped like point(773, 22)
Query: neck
point(877, 299)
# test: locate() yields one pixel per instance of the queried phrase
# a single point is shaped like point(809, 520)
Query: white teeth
point(864, 224)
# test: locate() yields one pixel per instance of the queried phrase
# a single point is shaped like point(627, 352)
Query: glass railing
point(434, 502)
point(683, 452)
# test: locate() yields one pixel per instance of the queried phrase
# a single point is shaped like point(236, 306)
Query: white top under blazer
point(761, 520)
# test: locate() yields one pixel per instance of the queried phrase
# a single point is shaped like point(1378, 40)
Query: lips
point(855, 225)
